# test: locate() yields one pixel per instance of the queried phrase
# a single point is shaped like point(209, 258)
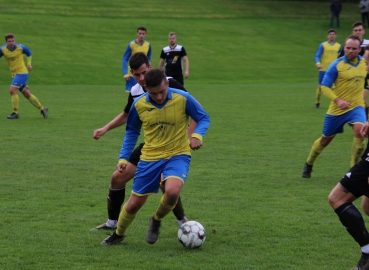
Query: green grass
point(255, 75)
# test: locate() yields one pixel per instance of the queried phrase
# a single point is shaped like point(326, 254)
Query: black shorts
point(356, 179)
point(134, 158)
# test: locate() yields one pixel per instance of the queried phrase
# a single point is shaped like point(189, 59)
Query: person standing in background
point(336, 8)
point(364, 9)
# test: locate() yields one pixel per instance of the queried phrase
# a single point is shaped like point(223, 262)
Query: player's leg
point(126, 217)
point(117, 189)
point(332, 126)
point(116, 196)
point(357, 119)
point(147, 181)
point(175, 173)
point(319, 90)
point(353, 185)
point(178, 210)
point(15, 102)
point(365, 204)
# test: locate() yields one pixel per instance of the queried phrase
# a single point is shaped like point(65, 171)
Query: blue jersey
point(132, 48)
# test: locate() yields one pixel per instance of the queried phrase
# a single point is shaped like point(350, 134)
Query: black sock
point(178, 210)
point(115, 201)
point(353, 221)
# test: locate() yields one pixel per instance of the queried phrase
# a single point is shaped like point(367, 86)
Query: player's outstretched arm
point(118, 121)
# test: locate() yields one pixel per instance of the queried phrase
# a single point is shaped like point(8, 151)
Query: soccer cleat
point(103, 226)
point(317, 105)
point(153, 232)
point(13, 116)
point(306, 173)
point(363, 263)
point(181, 221)
point(113, 239)
point(44, 112)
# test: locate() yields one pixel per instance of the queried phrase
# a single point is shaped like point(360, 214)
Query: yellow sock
point(315, 152)
point(357, 150)
point(15, 103)
point(124, 221)
point(35, 102)
point(318, 94)
point(163, 209)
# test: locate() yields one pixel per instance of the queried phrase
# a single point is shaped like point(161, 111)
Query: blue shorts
point(130, 83)
point(20, 81)
point(148, 174)
point(321, 76)
point(333, 124)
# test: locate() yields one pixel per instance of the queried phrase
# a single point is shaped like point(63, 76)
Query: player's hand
point(126, 78)
point(342, 104)
point(364, 130)
point(29, 67)
point(186, 74)
point(195, 143)
point(98, 133)
point(121, 167)
point(319, 66)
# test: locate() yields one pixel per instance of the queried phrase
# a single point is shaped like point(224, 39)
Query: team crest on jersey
point(348, 174)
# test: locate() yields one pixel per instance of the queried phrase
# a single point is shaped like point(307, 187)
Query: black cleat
point(363, 263)
point(44, 112)
point(113, 239)
point(153, 232)
point(13, 116)
point(103, 227)
point(317, 105)
point(306, 173)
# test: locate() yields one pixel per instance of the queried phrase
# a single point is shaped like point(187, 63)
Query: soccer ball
point(191, 234)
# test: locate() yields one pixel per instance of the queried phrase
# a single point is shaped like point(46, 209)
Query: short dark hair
point(138, 59)
point(354, 38)
point(154, 77)
point(143, 28)
point(358, 24)
point(9, 35)
point(332, 31)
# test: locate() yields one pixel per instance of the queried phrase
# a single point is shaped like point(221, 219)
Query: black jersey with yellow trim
point(137, 90)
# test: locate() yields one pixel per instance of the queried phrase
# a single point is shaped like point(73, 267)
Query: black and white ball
point(191, 234)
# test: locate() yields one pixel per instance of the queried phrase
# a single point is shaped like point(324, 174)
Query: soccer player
point(163, 114)
point(172, 55)
point(352, 186)
point(347, 105)
point(13, 54)
point(327, 52)
point(139, 64)
point(137, 45)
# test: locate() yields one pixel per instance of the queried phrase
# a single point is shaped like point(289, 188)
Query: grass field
point(252, 68)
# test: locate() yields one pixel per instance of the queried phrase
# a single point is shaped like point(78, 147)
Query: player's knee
point(118, 180)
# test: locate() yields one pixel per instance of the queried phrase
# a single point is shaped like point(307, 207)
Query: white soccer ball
point(191, 234)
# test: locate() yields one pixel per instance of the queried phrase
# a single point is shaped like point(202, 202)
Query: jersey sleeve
point(183, 52)
point(319, 53)
point(175, 84)
point(198, 114)
point(129, 103)
point(126, 56)
point(330, 75)
point(149, 52)
point(133, 130)
point(25, 50)
point(162, 54)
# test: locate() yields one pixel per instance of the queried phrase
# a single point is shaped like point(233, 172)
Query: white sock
point(365, 249)
point(111, 223)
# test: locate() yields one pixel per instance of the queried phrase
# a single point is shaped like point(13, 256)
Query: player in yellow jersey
point(327, 52)
point(137, 45)
point(347, 73)
point(163, 114)
point(354, 184)
point(13, 54)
